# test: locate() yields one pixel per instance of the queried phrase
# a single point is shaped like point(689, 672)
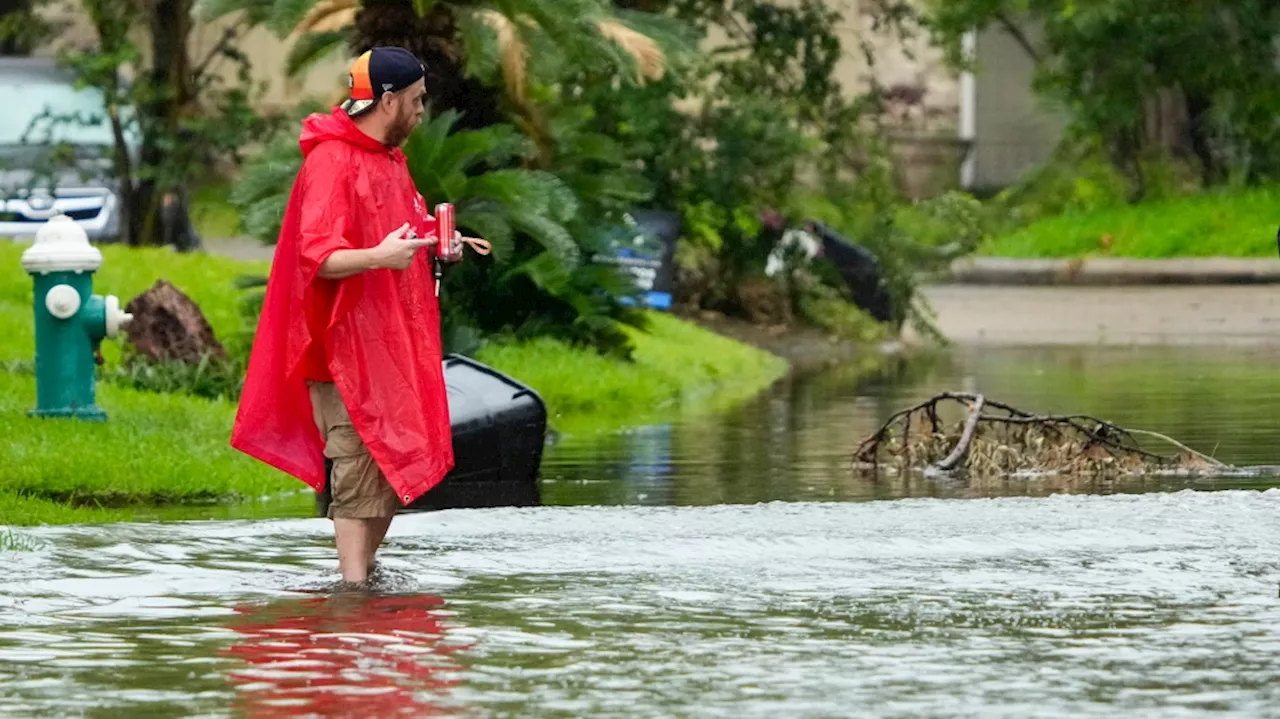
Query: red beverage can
point(445, 230)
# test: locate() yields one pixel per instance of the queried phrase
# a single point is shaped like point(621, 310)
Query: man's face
point(406, 107)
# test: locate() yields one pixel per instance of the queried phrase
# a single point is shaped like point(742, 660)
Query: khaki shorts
point(357, 485)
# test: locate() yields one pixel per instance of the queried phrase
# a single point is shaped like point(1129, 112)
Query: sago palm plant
point(517, 160)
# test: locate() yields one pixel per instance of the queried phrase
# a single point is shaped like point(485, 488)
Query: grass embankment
point(172, 448)
point(1214, 224)
point(678, 367)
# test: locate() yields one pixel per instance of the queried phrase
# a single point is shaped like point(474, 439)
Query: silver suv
point(50, 168)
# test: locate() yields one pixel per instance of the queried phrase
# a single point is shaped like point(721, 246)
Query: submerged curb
point(1114, 271)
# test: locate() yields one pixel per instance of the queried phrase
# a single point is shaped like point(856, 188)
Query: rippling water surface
point(721, 568)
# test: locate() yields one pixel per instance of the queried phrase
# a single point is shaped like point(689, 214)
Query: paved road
point(239, 248)
point(1127, 315)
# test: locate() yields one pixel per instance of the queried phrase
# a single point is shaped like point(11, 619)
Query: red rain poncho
point(375, 334)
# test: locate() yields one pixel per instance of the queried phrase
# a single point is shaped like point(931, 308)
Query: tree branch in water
point(970, 428)
point(997, 438)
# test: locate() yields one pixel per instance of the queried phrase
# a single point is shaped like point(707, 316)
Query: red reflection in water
point(357, 655)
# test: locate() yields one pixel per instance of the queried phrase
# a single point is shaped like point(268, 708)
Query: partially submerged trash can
point(499, 432)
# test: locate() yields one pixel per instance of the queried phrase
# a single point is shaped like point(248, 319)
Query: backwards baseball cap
point(379, 71)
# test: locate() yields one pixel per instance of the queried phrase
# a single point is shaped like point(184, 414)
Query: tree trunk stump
point(168, 326)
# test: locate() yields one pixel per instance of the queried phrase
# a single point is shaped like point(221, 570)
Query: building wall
point(925, 95)
point(911, 68)
point(268, 56)
point(1015, 129)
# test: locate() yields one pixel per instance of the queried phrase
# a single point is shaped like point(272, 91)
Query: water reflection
point(796, 442)
point(346, 654)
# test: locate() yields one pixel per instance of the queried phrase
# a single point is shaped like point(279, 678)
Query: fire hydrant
point(71, 321)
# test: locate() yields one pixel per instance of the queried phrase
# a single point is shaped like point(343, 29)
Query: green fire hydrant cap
point(61, 245)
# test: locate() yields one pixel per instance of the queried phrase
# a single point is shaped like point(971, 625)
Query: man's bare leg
point(377, 531)
point(352, 537)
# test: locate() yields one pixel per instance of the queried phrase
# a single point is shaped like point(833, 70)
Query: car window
point(60, 100)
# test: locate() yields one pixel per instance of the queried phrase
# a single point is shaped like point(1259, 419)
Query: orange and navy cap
point(379, 71)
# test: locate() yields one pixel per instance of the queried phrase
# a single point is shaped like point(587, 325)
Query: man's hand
point(395, 252)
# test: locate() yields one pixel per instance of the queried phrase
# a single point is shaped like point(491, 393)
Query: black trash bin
point(499, 432)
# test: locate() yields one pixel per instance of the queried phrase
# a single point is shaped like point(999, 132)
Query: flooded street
point(1152, 605)
point(729, 566)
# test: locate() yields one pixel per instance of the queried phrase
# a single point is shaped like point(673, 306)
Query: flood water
point(721, 567)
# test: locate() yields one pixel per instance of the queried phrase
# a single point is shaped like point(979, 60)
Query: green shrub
point(211, 378)
point(1079, 178)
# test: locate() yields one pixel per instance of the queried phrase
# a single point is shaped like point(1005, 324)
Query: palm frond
point(270, 173)
point(558, 28)
point(562, 201)
point(595, 146)
point(287, 15)
point(482, 58)
point(329, 16)
point(547, 272)
point(512, 53)
point(255, 11)
point(614, 281)
point(312, 47)
point(552, 236)
point(630, 187)
point(440, 162)
point(264, 218)
point(426, 143)
point(537, 192)
point(562, 19)
point(495, 145)
point(649, 58)
point(677, 39)
point(488, 220)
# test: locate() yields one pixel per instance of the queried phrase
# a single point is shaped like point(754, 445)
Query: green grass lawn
point(1218, 224)
point(159, 449)
point(154, 449)
point(679, 367)
point(126, 273)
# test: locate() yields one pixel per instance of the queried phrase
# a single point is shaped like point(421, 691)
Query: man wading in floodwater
point(346, 363)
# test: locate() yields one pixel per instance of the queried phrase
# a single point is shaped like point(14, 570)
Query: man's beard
point(399, 132)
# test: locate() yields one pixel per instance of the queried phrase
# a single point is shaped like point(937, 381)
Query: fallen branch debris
point(996, 438)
